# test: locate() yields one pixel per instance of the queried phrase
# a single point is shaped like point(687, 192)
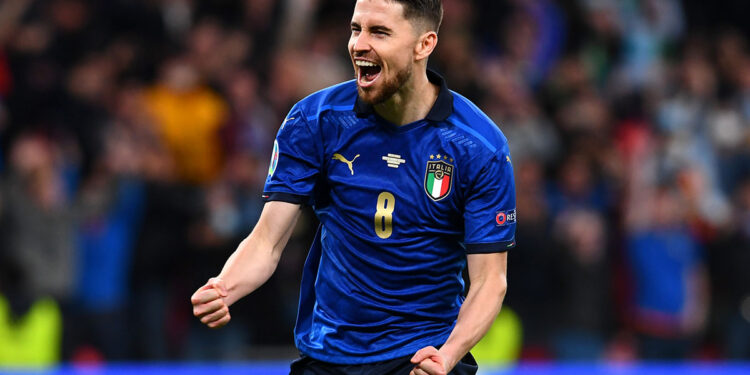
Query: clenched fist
point(429, 361)
point(208, 303)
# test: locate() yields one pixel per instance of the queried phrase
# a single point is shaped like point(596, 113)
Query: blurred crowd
point(135, 137)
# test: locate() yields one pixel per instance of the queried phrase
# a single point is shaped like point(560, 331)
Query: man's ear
point(425, 45)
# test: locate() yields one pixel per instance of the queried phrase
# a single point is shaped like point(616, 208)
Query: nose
point(360, 43)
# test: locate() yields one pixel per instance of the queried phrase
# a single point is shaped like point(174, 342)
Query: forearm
point(257, 256)
point(477, 314)
point(249, 267)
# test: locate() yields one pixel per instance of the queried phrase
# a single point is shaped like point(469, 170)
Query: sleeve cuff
point(285, 197)
point(490, 247)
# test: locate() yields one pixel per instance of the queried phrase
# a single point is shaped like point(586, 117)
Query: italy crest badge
point(438, 179)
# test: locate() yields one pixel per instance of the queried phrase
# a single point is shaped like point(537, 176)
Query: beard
point(380, 93)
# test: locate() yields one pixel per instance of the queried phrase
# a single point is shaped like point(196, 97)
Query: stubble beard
point(375, 95)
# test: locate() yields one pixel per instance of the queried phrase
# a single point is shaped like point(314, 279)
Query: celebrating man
point(411, 183)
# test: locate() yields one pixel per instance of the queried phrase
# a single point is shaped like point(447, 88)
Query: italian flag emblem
point(438, 179)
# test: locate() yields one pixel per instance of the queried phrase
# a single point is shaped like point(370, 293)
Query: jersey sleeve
point(490, 208)
point(296, 160)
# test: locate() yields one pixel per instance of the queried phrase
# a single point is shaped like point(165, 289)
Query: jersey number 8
point(384, 215)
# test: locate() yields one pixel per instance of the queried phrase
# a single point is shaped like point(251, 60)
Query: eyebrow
point(375, 28)
point(381, 28)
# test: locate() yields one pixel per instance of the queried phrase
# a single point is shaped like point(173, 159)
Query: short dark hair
point(428, 11)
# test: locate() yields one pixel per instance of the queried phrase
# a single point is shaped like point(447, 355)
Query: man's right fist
point(208, 303)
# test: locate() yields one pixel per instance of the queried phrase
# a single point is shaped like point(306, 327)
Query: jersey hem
point(285, 197)
point(490, 247)
point(350, 360)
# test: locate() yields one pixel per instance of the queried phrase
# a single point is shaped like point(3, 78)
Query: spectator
point(39, 218)
point(578, 186)
point(670, 285)
point(110, 209)
point(37, 254)
point(582, 292)
point(189, 117)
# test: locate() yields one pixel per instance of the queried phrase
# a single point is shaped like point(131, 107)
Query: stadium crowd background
point(136, 134)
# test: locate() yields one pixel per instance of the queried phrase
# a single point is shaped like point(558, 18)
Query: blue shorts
point(398, 366)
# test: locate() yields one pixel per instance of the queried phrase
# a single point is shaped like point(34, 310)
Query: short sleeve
point(295, 162)
point(490, 208)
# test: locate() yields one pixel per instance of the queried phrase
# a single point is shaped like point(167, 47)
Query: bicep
point(484, 267)
point(276, 223)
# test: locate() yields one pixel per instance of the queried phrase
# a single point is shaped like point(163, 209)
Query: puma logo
point(341, 158)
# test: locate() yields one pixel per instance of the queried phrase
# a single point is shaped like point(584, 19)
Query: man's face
point(382, 49)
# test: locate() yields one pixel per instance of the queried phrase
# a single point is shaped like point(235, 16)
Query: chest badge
point(342, 159)
point(438, 179)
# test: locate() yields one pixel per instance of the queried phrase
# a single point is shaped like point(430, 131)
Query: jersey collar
point(440, 111)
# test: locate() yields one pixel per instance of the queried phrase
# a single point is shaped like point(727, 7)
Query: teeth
point(364, 63)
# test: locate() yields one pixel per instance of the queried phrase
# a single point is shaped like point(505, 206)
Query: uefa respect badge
point(505, 217)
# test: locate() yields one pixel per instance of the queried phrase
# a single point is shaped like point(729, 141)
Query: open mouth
point(368, 73)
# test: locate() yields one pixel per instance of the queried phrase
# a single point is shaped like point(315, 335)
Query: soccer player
point(411, 182)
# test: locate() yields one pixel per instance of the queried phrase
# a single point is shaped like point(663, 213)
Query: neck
point(412, 102)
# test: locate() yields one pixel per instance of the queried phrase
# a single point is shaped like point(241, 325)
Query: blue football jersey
point(399, 207)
